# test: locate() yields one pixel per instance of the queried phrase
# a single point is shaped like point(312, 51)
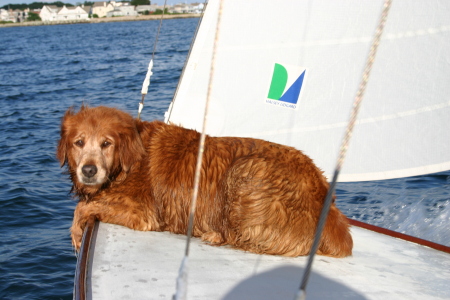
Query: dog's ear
point(131, 148)
point(61, 152)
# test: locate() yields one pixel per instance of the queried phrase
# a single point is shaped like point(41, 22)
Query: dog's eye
point(79, 143)
point(106, 144)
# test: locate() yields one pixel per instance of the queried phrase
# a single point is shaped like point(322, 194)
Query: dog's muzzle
point(89, 170)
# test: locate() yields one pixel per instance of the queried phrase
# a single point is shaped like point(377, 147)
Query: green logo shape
point(279, 81)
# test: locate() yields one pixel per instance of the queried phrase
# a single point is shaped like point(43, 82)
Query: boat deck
point(127, 264)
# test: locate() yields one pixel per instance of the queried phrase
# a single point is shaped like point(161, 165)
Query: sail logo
point(286, 86)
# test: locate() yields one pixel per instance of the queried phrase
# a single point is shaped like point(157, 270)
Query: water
point(44, 70)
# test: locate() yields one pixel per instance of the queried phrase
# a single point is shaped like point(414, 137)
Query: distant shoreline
point(101, 20)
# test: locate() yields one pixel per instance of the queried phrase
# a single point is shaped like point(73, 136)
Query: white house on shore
point(102, 8)
point(193, 8)
point(53, 13)
point(119, 11)
point(196, 8)
point(141, 9)
point(49, 12)
point(14, 16)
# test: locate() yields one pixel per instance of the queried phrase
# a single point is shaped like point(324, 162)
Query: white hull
point(127, 264)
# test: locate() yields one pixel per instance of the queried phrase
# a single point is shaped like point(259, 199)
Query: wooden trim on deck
point(399, 235)
point(80, 290)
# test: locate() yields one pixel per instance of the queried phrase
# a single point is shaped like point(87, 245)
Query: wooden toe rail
point(399, 235)
point(80, 290)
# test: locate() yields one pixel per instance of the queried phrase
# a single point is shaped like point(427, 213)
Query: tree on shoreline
point(140, 2)
point(35, 5)
point(86, 3)
point(33, 17)
point(160, 12)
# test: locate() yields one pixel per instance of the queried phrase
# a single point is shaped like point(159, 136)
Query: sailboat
point(287, 72)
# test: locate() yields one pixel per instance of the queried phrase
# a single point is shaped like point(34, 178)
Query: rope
point(182, 277)
point(301, 293)
point(146, 82)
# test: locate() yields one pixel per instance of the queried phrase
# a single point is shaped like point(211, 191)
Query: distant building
point(49, 13)
point(120, 11)
point(196, 8)
point(141, 9)
point(20, 16)
point(15, 16)
point(193, 8)
point(72, 13)
point(5, 16)
point(102, 8)
point(114, 3)
point(179, 9)
point(87, 9)
point(53, 13)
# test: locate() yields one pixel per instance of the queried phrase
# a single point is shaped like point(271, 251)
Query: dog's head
point(98, 144)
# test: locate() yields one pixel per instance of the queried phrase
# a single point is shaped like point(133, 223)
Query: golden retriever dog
point(254, 195)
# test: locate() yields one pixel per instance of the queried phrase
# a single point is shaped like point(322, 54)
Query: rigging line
point(301, 293)
point(202, 139)
point(169, 111)
point(181, 292)
point(146, 82)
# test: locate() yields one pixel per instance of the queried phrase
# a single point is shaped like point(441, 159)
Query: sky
point(160, 2)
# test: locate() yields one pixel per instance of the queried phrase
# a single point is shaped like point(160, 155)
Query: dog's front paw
point(80, 217)
point(76, 234)
point(213, 238)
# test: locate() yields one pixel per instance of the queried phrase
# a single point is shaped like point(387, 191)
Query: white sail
point(319, 48)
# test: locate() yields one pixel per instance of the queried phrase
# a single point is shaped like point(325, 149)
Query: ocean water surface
point(44, 70)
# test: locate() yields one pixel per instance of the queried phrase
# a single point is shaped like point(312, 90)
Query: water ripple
point(56, 67)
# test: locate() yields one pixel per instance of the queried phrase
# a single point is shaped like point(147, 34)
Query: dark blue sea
point(46, 69)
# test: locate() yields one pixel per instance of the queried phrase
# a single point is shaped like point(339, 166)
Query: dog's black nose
point(89, 170)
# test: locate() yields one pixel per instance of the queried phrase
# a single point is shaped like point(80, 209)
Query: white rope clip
point(146, 82)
